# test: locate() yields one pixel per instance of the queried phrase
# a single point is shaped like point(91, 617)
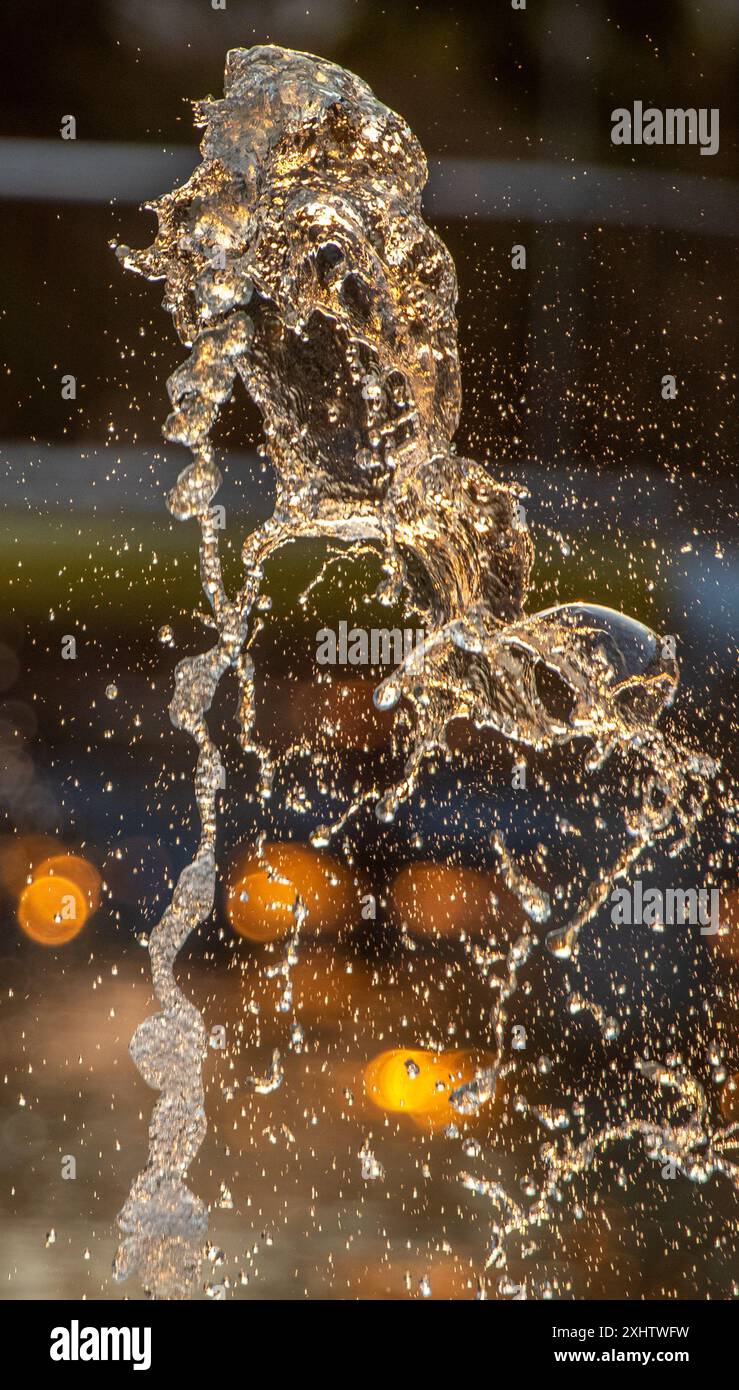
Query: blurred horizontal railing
point(78, 171)
point(104, 478)
point(50, 494)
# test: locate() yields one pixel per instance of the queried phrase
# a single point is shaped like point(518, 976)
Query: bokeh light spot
point(79, 870)
point(261, 907)
point(52, 910)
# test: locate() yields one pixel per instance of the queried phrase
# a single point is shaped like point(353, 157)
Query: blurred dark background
point(629, 276)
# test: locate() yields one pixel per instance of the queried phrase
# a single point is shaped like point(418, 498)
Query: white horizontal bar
point(539, 191)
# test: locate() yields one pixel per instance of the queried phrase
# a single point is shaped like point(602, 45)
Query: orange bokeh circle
point(79, 870)
point(416, 1082)
point(261, 908)
point(444, 900)
point(52, 910)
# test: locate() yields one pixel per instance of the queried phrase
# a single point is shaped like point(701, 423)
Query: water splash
point(684, 1141)
point(297, 260)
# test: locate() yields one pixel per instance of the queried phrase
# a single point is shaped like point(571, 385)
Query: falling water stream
point(297, 260)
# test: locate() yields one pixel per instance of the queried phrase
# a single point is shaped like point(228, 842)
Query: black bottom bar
point(225, 1345)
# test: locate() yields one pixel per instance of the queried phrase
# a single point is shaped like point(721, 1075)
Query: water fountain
point(296, 260)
